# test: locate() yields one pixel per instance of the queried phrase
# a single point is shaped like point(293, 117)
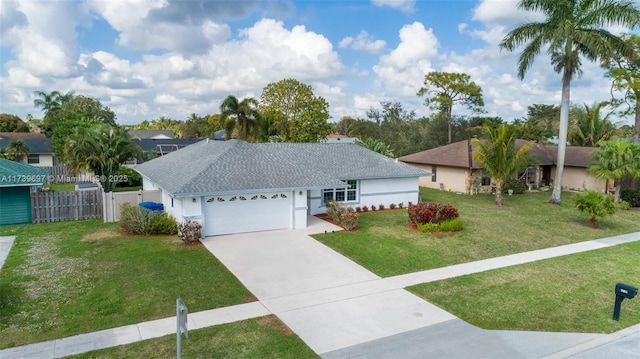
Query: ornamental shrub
point(129, 177)
point(381, 207)
point(427, 227)
point(190, 231)
point(632, 196)
point(334, 210)
point(392, 206)
point(137, 220)
point(451, 225)
point(596, 205)
point(365, 209)
point(518, 186)
point(349, 219)
point(431, 213)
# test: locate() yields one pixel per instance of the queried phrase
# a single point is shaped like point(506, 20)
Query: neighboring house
point(453, 168)
point(234, 186)
point(17, 181)
point(162, 146)
point(40, 151)
point(152, 134)
point(337, 138)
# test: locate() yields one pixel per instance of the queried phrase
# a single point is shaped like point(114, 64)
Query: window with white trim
point(348, 194)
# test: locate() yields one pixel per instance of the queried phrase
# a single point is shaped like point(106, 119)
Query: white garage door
point(247, 213)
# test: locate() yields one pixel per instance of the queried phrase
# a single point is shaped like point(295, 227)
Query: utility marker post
point(181, 318)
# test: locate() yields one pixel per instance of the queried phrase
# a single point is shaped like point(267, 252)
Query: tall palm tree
point(100, 149)
point(616, 159)
point(498, 154)
point(572, 29)
point(18, 150)
point(590, 127)
point(47, 101)
point(241, 116)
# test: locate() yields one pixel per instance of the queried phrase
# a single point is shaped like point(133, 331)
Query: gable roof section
point(19, 174)
point(21, 135)
point(234, 166)
point(36, 146)
point(459, 154)
point(165, 145)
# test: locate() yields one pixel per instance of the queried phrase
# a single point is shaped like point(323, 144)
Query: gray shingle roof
point(36, 146)
point(209, 167)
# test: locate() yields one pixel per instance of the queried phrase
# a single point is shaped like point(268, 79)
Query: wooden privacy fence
point(65, 206)
point(113, 201)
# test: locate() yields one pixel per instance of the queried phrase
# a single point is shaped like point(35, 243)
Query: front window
point(434, 170)
point(341, 194)
point(33, 159)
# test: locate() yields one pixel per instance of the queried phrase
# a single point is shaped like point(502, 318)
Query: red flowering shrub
point(423, 212)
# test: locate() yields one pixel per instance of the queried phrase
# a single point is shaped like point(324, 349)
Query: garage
point(247, 213)
point(17, 180)
point(15, 205)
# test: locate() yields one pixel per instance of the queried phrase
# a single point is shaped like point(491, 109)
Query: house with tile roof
point(453, 168)
point(17, 181)
point(234, 186)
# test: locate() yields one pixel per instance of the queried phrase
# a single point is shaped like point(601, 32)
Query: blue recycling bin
point(152, 206)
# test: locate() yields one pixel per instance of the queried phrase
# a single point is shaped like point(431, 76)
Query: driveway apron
point(328, 300)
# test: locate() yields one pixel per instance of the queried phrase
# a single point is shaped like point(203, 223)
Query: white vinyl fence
point(112, 202)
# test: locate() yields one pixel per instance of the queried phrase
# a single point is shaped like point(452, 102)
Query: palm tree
point(18, 150)
point(376, 146)
point(572, 29)
point(4, 153)
point(100, 149)
point(47, 101)
point(616, 159)
point(590, 127)
point(241, 116)
point(595, 205)
point(498, 154)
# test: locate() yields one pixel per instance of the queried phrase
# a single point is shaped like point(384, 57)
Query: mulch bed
point(325, 217)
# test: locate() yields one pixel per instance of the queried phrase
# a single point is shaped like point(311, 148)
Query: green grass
point(574, 293)
point(265, 337)
point(61, 187)
point(66, 278)
point(127, 189)
point(526, 222)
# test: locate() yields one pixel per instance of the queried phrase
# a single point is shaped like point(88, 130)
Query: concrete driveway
point(328, 300)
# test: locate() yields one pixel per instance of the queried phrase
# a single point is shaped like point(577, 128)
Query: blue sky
point(150, 58)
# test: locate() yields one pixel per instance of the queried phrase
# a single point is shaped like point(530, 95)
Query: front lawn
point(526, 222)
point(573, 293)
point(67, 278)
point(265, 337)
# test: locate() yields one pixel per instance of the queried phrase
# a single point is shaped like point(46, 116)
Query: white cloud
point(140, 31)
point(402, 5)
point(401, 71)
point(364, 42)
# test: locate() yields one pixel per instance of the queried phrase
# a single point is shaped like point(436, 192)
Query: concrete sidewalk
point(5, 247)
point(132, 333)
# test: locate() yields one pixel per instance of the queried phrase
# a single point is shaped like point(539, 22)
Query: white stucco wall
point(374, 192)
